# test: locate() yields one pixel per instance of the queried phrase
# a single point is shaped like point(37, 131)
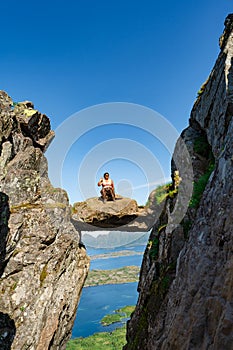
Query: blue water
point(98, 301)
point(114, 263)
point(136, 248)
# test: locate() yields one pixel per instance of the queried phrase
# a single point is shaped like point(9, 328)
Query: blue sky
point(67, 56)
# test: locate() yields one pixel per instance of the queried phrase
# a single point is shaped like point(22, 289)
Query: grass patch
point(199, 187)
point(100, 341)
point(114, 340)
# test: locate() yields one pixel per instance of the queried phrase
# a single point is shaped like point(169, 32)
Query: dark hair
point(106, 174)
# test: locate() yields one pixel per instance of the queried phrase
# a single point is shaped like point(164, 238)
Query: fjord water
point(115, 263)
point(97, 301)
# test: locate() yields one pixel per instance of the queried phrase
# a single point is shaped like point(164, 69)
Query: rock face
point(43, 267)
point(186, 284)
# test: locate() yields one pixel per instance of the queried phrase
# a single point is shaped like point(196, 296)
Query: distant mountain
point(115, 239)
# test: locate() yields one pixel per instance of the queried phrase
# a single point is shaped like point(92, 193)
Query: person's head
point(106, 175)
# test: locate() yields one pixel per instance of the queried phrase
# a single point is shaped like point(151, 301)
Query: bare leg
point(104, 195)
point(112, 193)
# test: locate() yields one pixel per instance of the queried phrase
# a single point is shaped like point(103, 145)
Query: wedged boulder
point(122, 215)
point(110, 214)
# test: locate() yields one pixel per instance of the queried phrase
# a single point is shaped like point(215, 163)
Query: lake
point(97, 301)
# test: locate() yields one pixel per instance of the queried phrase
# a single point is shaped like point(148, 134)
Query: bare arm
point(100, 182)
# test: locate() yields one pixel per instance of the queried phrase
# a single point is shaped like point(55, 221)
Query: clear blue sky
point(69, 55)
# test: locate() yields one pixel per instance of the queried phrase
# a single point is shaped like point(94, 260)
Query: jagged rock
point(185, 287)
point(43, 266)
point(34, 124)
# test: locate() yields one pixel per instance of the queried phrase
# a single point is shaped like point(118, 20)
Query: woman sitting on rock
point(107, 187)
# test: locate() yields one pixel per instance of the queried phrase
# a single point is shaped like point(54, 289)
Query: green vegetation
point(186, 224)
point(161, 193)
point(202, 88)
point(43, 275)
point(105, 340)
point(100, 341)
point(165, 282)
point(199, 187)
point(118, 315)
point(153, 246)
point(162, 227)
point(124, 274)
point(142, 329)
point(13, 287)
point(200, 92)
point(202, 147)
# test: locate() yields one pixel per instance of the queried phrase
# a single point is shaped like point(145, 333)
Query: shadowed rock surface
point(43, 268)
point(7, 331)
point(186, 285)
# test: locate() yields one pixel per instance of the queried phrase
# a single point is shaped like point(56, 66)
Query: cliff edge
point(42, 265)
point(186, 284)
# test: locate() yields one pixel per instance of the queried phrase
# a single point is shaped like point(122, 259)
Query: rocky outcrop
point(122, 215)
point(43, 266)
point(112, 213)
point(186, 285)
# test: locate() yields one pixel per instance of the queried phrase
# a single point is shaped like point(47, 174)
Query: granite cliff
point(186, 285)
point(42, 263)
